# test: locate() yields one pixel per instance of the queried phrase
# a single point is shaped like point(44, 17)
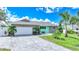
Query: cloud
point(40, 20)
point(47, 20)
point(54, 9)
point(58, 9)
point(40, 8)
point(12, 17)
point(8, 14)
point(74, 7)
point(49, 9)
point(25, 17)
point(35, 19)
point(44, 9)
point(55, 23)
point(1, 8)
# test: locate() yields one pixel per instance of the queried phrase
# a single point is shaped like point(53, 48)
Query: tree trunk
point(66, 35)
point(72, 26)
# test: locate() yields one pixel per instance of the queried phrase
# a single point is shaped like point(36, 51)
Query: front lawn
point(71, 42)
point(4, 49)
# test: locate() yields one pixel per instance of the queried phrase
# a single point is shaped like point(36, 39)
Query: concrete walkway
point(29, 43)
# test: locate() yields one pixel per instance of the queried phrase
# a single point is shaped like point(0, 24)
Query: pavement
point(29, 43)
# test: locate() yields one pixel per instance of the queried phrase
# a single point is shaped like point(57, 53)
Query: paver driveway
point(29, 43)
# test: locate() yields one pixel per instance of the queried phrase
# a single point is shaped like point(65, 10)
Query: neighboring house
point(26, 27)
point(75, 27)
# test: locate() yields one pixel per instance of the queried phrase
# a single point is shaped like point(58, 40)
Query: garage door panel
point(24, 31)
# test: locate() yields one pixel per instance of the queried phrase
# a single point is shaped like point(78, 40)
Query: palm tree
point(73, 21)
point(65, 16)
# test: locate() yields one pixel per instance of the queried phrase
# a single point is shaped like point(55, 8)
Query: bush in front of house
point(60, 28)
point(56, 34)
point(71, 32)
point(11, 30)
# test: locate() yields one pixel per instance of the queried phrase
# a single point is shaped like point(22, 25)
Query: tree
point(11, 28)
point(78, 13)
point(60, 27)
point(78, 18)
point(3, 16)
point(65, 16)
point(73, 21)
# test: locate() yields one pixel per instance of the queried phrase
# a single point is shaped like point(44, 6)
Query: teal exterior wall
point(46, 29)
point(42, 30)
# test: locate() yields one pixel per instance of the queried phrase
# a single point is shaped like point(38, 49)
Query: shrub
point(56, 34)
point(11, 30)
point(60, 28)
point(71, 31)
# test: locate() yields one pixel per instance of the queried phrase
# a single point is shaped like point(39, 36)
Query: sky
point(49, 14)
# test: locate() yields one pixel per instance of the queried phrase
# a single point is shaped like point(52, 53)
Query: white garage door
point(24, 31)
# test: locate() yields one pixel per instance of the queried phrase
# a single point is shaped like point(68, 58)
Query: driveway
point(29, 43)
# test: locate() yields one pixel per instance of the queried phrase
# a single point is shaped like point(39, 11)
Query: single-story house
point(26, 27)
point(75, 28)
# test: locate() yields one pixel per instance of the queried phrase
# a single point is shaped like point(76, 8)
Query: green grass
point(4, 49)
point(71, 42)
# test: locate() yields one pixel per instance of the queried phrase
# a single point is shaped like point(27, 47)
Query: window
point(42, 27)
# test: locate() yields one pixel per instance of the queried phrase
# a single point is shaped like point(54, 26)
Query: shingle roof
point(38, 23)
point(41, 23)
point(22, 23)
point(33, 23)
